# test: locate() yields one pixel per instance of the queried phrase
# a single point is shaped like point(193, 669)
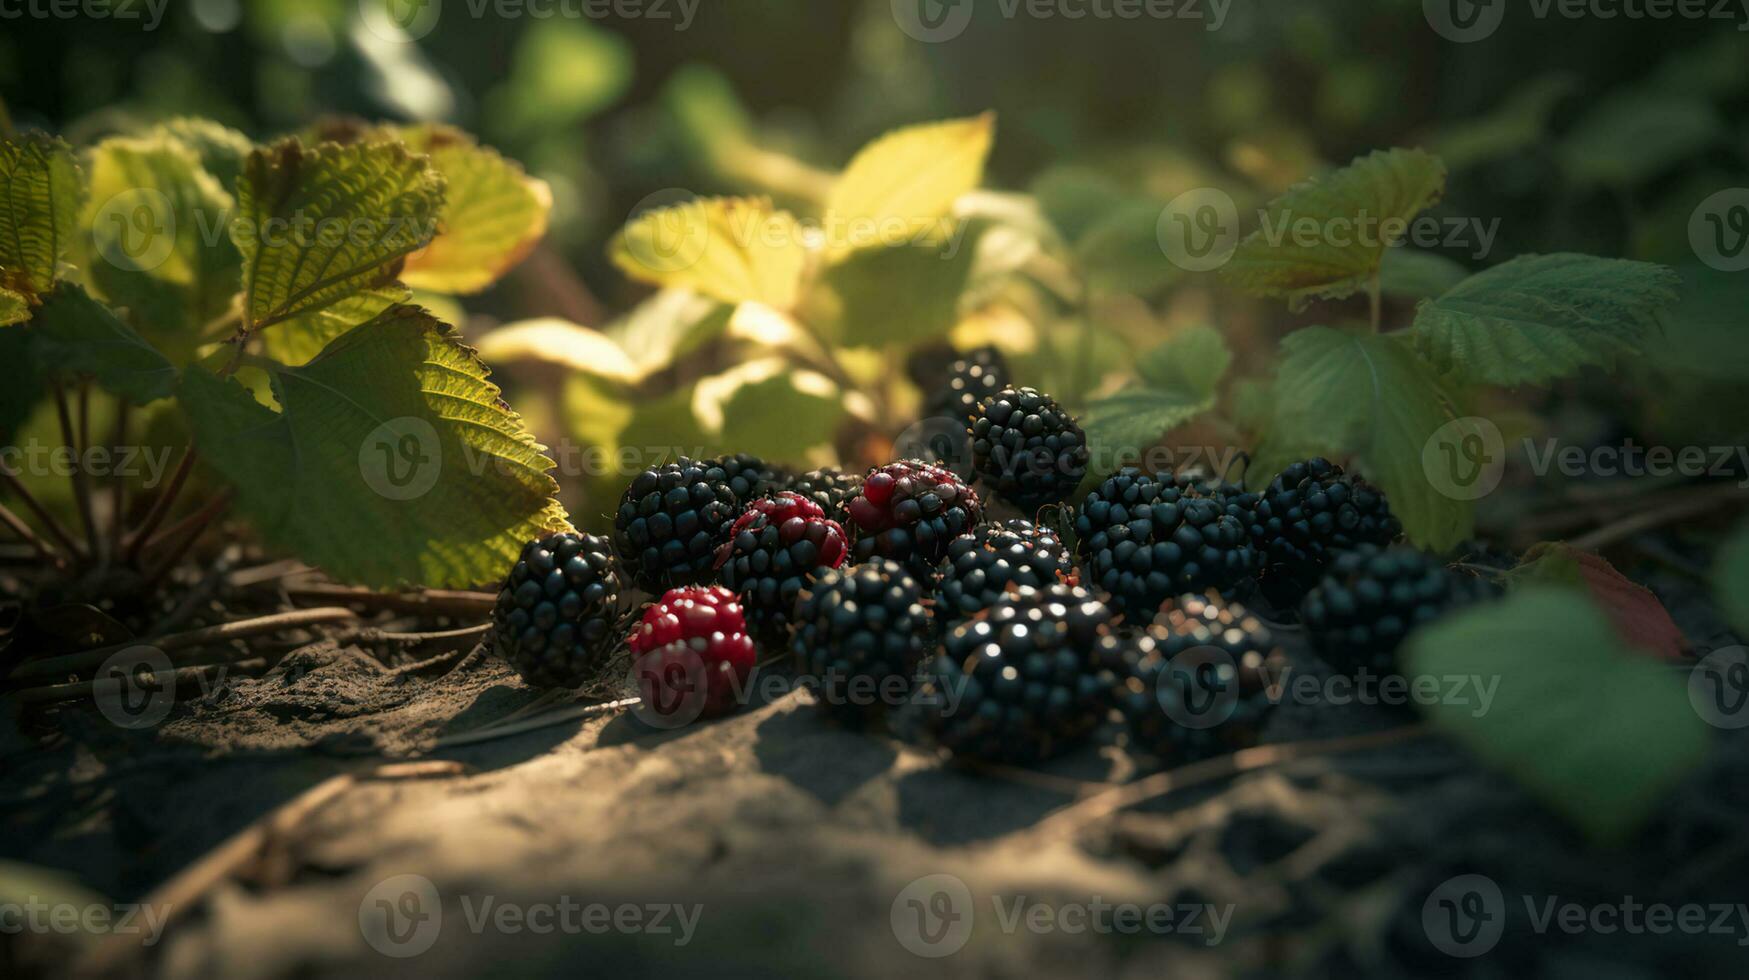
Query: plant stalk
point(1375, 296)
point(185, 534)
point(118, 487)
point(74, 663)
point(43, 548)
point(81, 484)
point(161, 506)
point(56, 529)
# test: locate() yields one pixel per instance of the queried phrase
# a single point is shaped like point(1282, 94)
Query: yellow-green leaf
point(317, 225)
point(39, 203)
point(14, 308)
point(159, 244)
point(734, 249)
point(493, 214)
point(1326, 238)
point(302, 337)
point(221, 149)
point(559, 341)
point(391, 461)
point(899, 188)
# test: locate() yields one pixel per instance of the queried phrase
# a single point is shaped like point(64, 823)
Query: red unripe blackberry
point(772, 550)
point(910, 511)
point(556, 617)
point(1027, 449)
point(692, 654)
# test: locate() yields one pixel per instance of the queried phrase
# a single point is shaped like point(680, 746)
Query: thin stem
point(118, 487)
point(28, 536)
point(161, 506)
point(432, 602)
point(185, 534)
point(81, 485)
point(56, 529)
point(73, 663)
point(1375, 297)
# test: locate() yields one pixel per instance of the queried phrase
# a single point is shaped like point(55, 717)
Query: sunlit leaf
point(734, 249)
point(669, 325)
point(303, 336)
point(1556, 666)
point(221, 150)
point(39, 206)
point(899, 188)
point(493, 214)
point(769, 408)
point(392, 461)
point(14, 308)
point(864, 304)
point(558, 341)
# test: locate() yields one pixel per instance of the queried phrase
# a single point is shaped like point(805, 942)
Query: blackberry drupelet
point(555, 619)
point(971, 379)
point(861, 633)
point(830, 488)
point(671, 522)
point(772, 551)
point(1027, 448)
point(1372, 598)
point(1311, 511)
point(982, 566)
point(1149, 538)
point(693, 655)
point(1017, 685)
point(1200, 681)
point(910, 511)
point(749, 476)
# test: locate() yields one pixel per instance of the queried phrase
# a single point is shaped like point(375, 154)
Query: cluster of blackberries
point(1146, 538)
point(1372, 598)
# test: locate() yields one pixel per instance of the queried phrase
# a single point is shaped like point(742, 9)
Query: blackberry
point(1027, 449)
point(671, 522)
point(1372, 598)
point(971, 379)
point(1199, 682)
point(1311, 511)
point(982, 566)
point(1146, 539)
point(693, 656)
point(772, 550)
point(910, 511)
point(1017, 685)
point(555, 618)
point(860, 633)
point(749, 476)
point(830, 488)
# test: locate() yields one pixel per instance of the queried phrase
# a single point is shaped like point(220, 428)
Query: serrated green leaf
point(1731, 580)
point(316, 225)
point(1194, 361)
point(1628, 139)
point(1341, 394)
point(1325, 238)
point(302, 337)
point(894, 297)
point(75, 334)
point(159, 246)
point(1122, 425)
point(1408, 274)
point(221, 149)
point(1557, 666)
point(14, 308)
point(392, 460)
point(1541, 317)
point(1120, 253)
point(1075, 199)
point(898, 188)
point(39, 206)
point(493, 213)
point(734, 249)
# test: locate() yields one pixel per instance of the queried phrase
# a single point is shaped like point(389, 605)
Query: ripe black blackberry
point(1372, 598)
point(910, 511)
point(749, 476)
point(1200, 681)
point(556, 619)
point(1017, 685)
point(861, 633)
point(982, 566)
point(772, 551)
point(1149, 538)
point(830, 488)
point(1027, 449)
point(1311, 511)
point(671, 522)
point(971, 379)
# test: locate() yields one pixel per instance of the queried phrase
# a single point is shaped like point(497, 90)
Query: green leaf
point(1541, 317)
point(561, 342)
point(1408, 274)
point(894, 297)
point(1627, 140)
point(39, 188)
point(898, 188)
point(75, 334)
point(302, 337)
point(1194, 361)
point(1342, 394)
point(669, 325)
point(1731, 580)
point(1076, 199)
point(159, 246)
point(1325, 238)
point(14, 308)
point(563, 73)
point(317, 225)
point(770, 409)
point(221, 149)
point(1179, 380)
point(1121, 252)
point(392, 460)
point(1557, 666)
point(734, 249)
point(493, 213)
